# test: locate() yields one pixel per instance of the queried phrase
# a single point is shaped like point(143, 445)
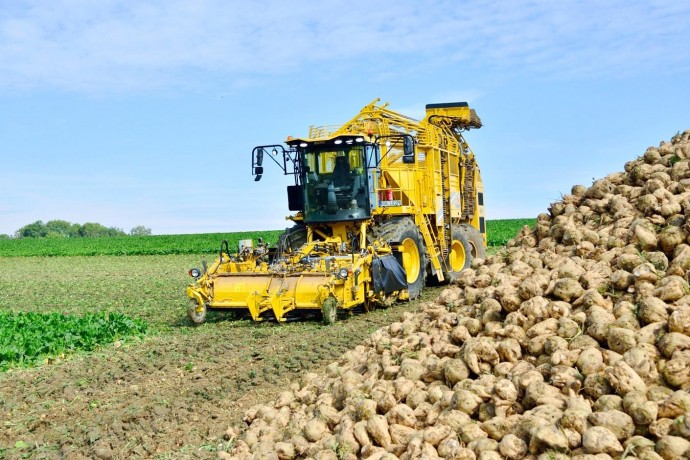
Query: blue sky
point(145, 113)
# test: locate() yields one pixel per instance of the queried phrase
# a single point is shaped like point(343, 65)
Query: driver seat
point(341, 172)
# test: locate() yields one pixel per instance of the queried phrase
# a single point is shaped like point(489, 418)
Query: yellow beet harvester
point(382, 203)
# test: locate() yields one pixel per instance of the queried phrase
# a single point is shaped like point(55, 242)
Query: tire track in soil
point(171, 395)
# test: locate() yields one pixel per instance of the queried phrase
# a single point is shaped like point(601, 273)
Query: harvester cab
point(331, 182)
point(381, 203)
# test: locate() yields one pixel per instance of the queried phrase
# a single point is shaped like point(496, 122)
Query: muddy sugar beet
point(573, 343)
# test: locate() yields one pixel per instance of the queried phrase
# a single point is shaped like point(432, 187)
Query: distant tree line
point(64, 229)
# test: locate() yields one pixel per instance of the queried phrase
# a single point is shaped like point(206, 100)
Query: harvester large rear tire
point(404, 234)
point(197, 317)
point(467, 245)
point(476, 240)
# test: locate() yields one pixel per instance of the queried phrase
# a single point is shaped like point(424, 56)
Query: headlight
point(195, 273)
point(343, 273)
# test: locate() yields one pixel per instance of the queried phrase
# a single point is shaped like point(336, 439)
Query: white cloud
point(119, 46)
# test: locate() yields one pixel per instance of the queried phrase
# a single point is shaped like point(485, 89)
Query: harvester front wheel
point(329, 310)
point(196, 312)
point(411, 251)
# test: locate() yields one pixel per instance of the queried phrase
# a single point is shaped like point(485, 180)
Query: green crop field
point(498, 234)
point(201, 243)
point(150, 288)
point(51, 306)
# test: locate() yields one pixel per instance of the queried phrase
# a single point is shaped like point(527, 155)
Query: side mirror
point(272, 151)
point(257, 161)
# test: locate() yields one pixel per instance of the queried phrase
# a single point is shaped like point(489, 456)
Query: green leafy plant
point(27, 338)
point(499, 231)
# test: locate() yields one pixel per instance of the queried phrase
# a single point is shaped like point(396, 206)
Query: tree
point(95, 230)
point(62, 228)
point(140, 230)
point(35, 230)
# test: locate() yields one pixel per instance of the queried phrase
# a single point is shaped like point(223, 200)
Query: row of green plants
point(201, 243)
point(27, 338)
point(498, 234)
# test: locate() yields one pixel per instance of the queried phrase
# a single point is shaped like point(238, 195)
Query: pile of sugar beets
point(572, 343)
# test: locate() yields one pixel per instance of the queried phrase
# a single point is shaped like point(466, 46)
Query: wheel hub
point(410, 259)
point(457, 256)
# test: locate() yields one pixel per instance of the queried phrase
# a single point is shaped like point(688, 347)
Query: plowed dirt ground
point(172, 394)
